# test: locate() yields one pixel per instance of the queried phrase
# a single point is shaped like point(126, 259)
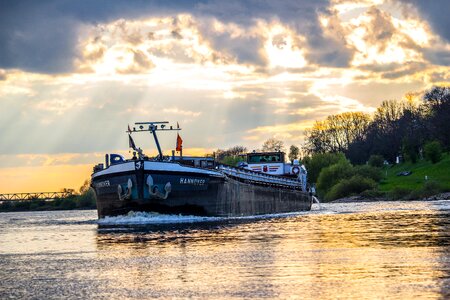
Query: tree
point(67, 191)
point(272, 145)
point(412, 129)
point(230, 152)
point(384, 134)
point(294, 152)
point(433, 151)
point(85, 187)
point(437, 101)
point(231, 156)
point(409, 151)
point(376, 161)
point(318, 161)
point(337, 132)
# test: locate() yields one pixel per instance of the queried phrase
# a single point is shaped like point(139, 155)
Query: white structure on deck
point(270, 168)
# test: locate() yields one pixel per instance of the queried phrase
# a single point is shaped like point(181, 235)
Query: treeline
point(335, 177)
point(230, 156)
point(396, 128)
point(235, 154)
point(348, 151)
point(84, 199)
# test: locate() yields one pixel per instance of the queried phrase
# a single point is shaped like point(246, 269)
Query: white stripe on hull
point(175, 167)
point(125, 167)
point(156, 166)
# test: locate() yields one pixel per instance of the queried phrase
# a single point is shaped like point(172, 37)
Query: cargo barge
point(264, 184)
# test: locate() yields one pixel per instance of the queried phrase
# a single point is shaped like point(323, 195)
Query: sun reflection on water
point(399, 254)
point(350, 251)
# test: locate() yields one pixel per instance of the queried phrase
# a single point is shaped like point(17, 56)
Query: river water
point(397, 250)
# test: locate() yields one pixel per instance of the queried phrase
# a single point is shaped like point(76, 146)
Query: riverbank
point(351, 199)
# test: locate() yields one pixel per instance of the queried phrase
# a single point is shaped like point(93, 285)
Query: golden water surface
point(393, 250)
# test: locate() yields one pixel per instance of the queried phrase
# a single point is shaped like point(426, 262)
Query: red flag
point(129, 129)
point(179, 143)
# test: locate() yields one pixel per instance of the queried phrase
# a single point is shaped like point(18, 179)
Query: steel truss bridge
point(34, 196)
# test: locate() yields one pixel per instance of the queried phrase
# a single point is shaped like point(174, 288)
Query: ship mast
point(152, 127)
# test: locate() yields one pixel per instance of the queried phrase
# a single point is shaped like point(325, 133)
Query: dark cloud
point(246, 49)
point(36, 37)
point(407, 69)
point(299, 13)
point(438, 56)
point(394, 70)
point(436, 13)
point(301, 16)
point(42, 36)
point(329, 53)
point(380, 29)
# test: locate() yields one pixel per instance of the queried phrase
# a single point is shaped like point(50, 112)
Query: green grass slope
point(439, 172)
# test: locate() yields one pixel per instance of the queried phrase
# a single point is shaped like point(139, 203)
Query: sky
point(74, 74)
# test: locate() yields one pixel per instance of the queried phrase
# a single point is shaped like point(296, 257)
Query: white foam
point(141, 218)
point(133, 218)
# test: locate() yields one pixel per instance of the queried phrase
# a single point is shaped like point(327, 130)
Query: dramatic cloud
point(436, 13)
point(73, 74)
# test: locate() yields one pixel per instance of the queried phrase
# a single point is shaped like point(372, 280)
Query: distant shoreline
point(73, 205)
point(82, 201)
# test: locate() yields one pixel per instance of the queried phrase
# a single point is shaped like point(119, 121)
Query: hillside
point(439, 172)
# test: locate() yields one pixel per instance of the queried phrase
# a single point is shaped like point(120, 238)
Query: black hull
point(204, 193)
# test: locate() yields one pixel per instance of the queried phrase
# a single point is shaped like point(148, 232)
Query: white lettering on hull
point(192, 181)
point(102, 184)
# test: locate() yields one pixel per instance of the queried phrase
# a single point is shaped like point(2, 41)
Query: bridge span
point(34, 196)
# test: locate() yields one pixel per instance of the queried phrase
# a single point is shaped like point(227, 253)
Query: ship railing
point(257, 177)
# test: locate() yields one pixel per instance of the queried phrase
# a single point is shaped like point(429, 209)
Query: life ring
point(295, 170)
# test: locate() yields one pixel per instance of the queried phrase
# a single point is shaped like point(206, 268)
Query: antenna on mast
point(152, 127)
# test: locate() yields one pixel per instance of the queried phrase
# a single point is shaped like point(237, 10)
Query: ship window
point(264, 158)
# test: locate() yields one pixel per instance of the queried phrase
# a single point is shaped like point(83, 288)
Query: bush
point(331, 175)
point(67, 203)
point(431, 188)
point(399, 193)
point(433, 151)
point(320, 161)
point(369, 172)
point(346, 187)
point(374, 193)
point(5, 206)
point(86, 200)
point(376, 160)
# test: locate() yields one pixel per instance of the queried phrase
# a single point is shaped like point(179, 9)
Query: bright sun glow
point(282, 50)
point(384, 52)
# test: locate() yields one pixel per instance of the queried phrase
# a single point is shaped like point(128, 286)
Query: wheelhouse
point(265, 157)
